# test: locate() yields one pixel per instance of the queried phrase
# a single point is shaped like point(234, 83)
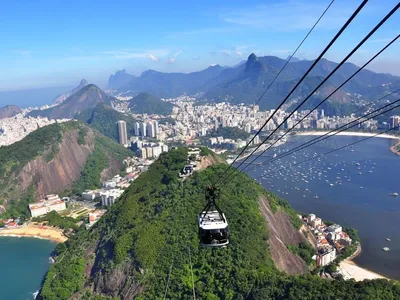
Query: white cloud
point(172, 59)
point(153, 55)
point(237, 50)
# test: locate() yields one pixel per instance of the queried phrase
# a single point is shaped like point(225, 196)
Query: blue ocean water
point(23, 264)
point(351, 187)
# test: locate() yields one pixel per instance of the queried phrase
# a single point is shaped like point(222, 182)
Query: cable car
point(213, 226)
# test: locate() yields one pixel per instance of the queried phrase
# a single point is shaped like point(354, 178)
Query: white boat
point(394, 194)
point(388, 239)
point(386, 249)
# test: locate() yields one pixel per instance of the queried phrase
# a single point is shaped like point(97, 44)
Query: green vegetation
point(104, 118)
point(45, 142)
point(98, 161)
point(204, 151)
point(19, 208)
point(233, 133)
point(152, 228)
point(303, 250)
point(15, 156)
point(81, 135)
point(145, 103)
point(54, 219)
point(66, 276)
point(60, 248)
point(278, 203)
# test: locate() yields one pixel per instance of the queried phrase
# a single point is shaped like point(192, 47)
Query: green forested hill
point(145, 103)
point(148, 239)
point(64, 157)
point(104, 118)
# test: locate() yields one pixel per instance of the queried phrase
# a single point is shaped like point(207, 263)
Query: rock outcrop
point(65, 168)
point(281, 234)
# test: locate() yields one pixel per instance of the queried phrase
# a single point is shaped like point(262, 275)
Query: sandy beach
point(350, 133)
point(43, 232)
point(351, 270)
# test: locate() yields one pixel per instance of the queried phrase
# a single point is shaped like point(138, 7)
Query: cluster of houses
point(10, 223)
point(94, 216)
point(331, 240)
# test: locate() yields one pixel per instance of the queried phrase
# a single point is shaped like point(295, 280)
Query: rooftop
point(212, 220)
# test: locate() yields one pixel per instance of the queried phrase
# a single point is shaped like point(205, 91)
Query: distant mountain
point(60, 157)
point(104, 118)
point(247, 86)
point(119, 79)
point(9, 111)
point(246, 82)
point(86, 98)
point(167, 85)
point(145, 103)
point(60, 98)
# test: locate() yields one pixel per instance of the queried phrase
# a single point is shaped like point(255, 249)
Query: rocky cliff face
point(282, 233)
point(58, 174)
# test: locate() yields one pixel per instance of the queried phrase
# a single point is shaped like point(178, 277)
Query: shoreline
point(45, 233)
point(393, 148)
point(351, 270)
point(350, 133)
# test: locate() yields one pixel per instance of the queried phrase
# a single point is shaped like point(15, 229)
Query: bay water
point(351, 187)
point(23, 265)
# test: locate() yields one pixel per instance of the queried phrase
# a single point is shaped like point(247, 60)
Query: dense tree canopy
point(150, 235)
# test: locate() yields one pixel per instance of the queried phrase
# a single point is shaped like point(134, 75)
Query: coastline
point(349, 269)
point(44, 232)
point(350, 133)
point(394, 150)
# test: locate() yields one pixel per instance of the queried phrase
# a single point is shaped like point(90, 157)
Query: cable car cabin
point(213, 229)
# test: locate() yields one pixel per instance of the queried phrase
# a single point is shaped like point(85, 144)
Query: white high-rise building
point(156, 151)
point(122, 133)
point(248, 128)
point(394, 121)
point(216, 125)
point(142, 128)
point(156, 128)
point(149, 152)
point(150, 129)
point(136, 128)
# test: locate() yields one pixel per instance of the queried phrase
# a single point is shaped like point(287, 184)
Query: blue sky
point(58, 42)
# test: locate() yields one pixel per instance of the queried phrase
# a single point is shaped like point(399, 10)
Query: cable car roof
point(212, 220)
